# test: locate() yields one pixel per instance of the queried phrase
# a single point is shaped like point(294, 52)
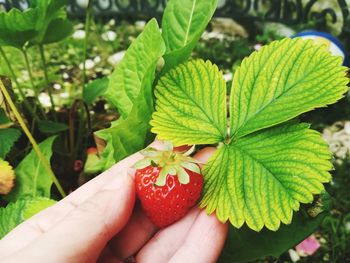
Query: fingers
point(31, 229)
point(140, 229)
point(166, 242)
point(85, 230)
point(135, 234)
point(203, 242)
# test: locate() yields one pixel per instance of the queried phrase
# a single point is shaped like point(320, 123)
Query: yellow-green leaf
point(191, 104)
point(262, 178)
point(281, 81)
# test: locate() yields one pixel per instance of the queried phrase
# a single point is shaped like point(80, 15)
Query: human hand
point(100, 222)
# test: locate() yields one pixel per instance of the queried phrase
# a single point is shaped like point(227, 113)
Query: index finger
point(31, 229)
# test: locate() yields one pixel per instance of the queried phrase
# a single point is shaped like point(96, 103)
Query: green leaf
point(281, 81)
point(246, 245)
point(17, 27)
point(15, 213)
point(262, 178)
point(47, 12)
point(191, 105)
point(7, 139)
point(50, 127)
point(127, 136)
point(3, 118)
point(94, 89)
point(57, 30)
point(141, 57)
point(183, 23)
point(31, 177)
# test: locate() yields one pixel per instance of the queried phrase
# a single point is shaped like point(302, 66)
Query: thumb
point(83, 233)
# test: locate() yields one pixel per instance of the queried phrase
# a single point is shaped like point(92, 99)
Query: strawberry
point(168, 184)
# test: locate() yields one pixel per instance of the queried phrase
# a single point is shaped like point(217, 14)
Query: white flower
point(257, 47)
point(293, 255)
point(116, 58)
point(44, 99)
point(140, 24)
point(89, 64)
point(97, 59)
point(65, 75)
point(109, 35)
point(111, 22)
point(79, 34)
point(57, 86)
point(228, 76)
point(83, 3)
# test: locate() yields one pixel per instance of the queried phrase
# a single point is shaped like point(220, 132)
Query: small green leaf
point(15, 213)
point(51, 127)
point(127, 79)
point(3, 118)
point(191, 105)
point(7, 138)
point(58, 30)
point(47, 12)
point(94, 89)
point(17, 27)
point(127, 136)
point(281, 81)
point(31, 177)
point(262, 178)
point(183, 23)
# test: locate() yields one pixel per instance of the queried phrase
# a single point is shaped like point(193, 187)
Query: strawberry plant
point(267, 175)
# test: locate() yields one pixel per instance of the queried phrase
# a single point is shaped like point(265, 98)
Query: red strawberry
point(168, 184)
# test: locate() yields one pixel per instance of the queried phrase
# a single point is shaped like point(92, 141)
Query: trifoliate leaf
point(47, 12)
point(262, 178)
point(127, 79)
point(15, 213)
point(281, 81)
point(191, 105)
point(17, 27)
point(31, 176)
point(183, 23)
point(7, 138)
point(57, 30)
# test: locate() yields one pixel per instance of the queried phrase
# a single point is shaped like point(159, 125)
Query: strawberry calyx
point(170, 162)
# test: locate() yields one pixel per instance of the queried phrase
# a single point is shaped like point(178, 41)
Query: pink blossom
point(308, 247)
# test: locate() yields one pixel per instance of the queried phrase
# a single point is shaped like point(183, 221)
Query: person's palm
point(100, 222)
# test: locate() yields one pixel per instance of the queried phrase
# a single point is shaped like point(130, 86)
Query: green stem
point(46, 75)
point(36, 147)
point(32, 82)
point(14, 78)
point(87, 27)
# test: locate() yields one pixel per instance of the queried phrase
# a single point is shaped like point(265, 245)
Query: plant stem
point(36, 147)
point(14, 78)
point(87, 27)
point(46, 75)
point(32, 82)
